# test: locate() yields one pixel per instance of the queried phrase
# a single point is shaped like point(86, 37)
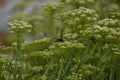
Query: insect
point(60, 39)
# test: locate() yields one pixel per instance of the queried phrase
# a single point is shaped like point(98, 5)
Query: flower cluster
point(88, 70)
point(43, 77)
point(84, 71)
point(102, 33)
point(66, 46)
point(78, 3)
point(109, 22)
point(78, 16)
point(37, 69)
point(5, 49)
point(47, 54)
point(114, 15)
point(116, 49)
point(19, 27)
point(52, 6)
point(75, 76)
point(4, 58)
point(70, 36)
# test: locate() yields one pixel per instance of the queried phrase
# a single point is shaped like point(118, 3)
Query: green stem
point(59, 72)
point(17, 52)
point(87, 56)
point(112, 71)
point(98, 76)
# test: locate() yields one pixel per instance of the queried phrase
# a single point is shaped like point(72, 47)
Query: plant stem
point(17, 52)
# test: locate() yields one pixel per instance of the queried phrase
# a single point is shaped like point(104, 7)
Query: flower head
point(19, 27)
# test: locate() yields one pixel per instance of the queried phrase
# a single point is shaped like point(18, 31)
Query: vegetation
point(72, 40)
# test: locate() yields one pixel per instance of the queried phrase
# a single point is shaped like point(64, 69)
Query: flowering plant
point(83, 43)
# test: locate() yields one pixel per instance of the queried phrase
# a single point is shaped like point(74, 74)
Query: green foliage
point(83, 43)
